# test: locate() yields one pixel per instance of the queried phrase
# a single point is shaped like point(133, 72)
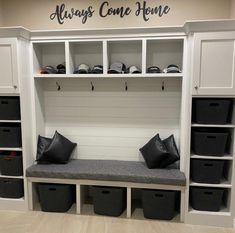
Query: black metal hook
point(126, 86)
point(163, 86)
point(58, 86)
point(92, 87)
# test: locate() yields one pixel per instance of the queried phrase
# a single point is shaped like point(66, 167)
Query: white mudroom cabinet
point(111, 116)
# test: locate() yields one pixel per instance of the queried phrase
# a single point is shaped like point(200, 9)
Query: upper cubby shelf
point(162, 53)
point(139, 52)
point(48, 54)
point(89, 53)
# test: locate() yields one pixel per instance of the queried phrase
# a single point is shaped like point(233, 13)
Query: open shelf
point(48, 54)
point(89, 53)
point(214, 125)
point(225, 157)
point(14, 177)
point(224, 211)
point(10, 121)
point(128, 52)
point(163, 53)
point(10, 148)
point(99, 76)
point(224, 184)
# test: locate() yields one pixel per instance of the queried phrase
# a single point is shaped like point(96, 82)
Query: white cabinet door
point(8, 66)
point(214, 63)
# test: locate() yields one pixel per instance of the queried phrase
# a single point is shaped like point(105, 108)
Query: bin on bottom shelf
point(56, 197)
point(110, 201)
point(159, 204)
point(11, 188)
point(206, 199)
point(206, 171)
point(11, 165)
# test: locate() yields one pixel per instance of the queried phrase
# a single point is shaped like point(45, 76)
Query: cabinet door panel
point(217, 64)
point(214, 64)
point(8, 66)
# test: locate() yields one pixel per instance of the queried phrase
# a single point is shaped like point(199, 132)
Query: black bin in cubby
point(9, 108)
point(56, 197)
point(10, 135)
point(206, 199)
point(110, 201)
point(212, 111)
point(11, 163)
point(210, 142)
point(207, 171)
point(11, 188)
point(160, 204)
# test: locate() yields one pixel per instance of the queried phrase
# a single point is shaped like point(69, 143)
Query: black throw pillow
point(42, 145)
point(154, 153)
point(60, 149)
point(172, 149)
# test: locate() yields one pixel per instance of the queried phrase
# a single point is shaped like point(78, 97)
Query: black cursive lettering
point(61, 13)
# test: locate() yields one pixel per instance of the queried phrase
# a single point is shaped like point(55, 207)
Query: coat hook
point(58, 86)
point(163, 86)
point(126, 86)
point(92, 87)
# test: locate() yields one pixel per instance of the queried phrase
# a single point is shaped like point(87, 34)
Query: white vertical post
point(105, 57)
point(78, 199)
point(68, 60)
point(128, 210)
point(144, 55)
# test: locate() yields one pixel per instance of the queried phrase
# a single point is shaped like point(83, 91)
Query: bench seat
point(108, 170)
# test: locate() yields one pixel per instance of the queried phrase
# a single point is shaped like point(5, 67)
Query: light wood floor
point(40, 222)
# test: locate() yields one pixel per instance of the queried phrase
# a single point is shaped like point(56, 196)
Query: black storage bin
point(209, 142)
point(11, 165)
point(207, 171)
point(212, 111)
point(159, 204)
point(11, 188)
point(56, 197)
point(110, 201)
point(9, 108)
point(10, 135)
point(206, 199)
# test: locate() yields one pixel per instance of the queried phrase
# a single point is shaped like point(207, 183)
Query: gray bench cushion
point(108, 170)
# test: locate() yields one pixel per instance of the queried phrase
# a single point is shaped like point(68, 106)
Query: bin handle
point(105, 192)
point(208, 165)
point(211, 137)
point(208, 193)
point(7, 181)
point(7, 158)
point(52, 189)
point(214, 104)
point(158, 195)
point(6, 130)
point(4, 102)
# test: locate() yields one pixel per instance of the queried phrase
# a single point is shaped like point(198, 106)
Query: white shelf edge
point(13, 177)
point(223, 212)
point(225, 157)
point(10, 148)
point(98, 76)
point(12, 199)
point(223, 184)
point(214, 125)
point(10, 121)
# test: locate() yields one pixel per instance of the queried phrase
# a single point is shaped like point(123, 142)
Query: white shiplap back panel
point(111, 123)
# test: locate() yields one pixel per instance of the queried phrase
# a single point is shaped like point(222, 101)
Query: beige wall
point(1, 14)
point(34, 14)
point(233, 9)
